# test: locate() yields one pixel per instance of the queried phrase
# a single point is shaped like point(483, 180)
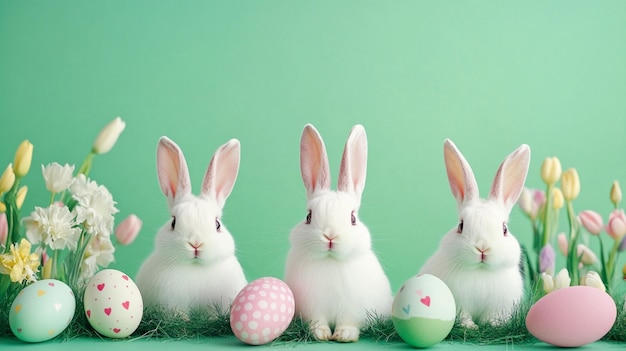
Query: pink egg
point(262, 311)
point(572, 317)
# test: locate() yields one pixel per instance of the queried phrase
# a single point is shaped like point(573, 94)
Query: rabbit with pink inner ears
point(335, 276)
point(193, 265)
point(479, 259)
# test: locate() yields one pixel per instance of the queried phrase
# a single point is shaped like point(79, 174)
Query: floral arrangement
point(583, 266)
point(69, 239)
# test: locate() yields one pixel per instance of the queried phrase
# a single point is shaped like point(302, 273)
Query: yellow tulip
point(21, 195)
point(23, 158)
point(570, 184)
point(3, 207)
point(7, 179)
point(557, 199)
point(616, 193)
point(551, 170)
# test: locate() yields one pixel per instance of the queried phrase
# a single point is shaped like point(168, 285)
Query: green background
point(490, 75)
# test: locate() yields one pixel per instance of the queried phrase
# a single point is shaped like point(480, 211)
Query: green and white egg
point(423, 311)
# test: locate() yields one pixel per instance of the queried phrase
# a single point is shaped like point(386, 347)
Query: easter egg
point(42, 310)
point(423, 311)
point(262, 311)
point(572, 316)
point(113, 304)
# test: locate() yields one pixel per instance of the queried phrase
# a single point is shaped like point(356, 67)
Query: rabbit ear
point(354, 162)
point(221, 174)
point(460, 175)
point(172, 170)
point(313, 161)
point(509, 180)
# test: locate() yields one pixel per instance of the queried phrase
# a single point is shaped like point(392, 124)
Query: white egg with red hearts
point(262, 311)
point(113, 304)
point(423, 311)
point(42, 310)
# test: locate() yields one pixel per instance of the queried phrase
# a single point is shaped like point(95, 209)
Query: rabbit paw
point(322, 333)
point(346, 333)
point(466, 321)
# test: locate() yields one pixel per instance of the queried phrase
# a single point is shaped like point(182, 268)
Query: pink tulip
point(127, 231)
point(592, 221)
point(562, 242)
point(617, 224)
point(4, 229)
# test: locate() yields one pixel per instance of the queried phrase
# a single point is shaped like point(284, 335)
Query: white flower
point(593, 279)
point(551, 283)
point(99, 253)
point(54, 226)
point(83, 186)
point(108, 136)
point(58, 178)
point(95, 207)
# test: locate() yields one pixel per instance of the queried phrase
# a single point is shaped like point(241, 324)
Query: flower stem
point(85, 168)
point(572, 257)
point(610, 264)
point(13, 216)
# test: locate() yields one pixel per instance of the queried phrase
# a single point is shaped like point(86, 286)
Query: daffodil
point(19, 263)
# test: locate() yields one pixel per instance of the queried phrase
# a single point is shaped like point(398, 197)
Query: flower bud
point(525, 201)
point(21, 195)
point(108, 136)
point(562, 242)
point(551, 170)
point(587, 257)
point(557, 199)
point(593, 280)
point(127, 231)
point(547, 258)
point(562, 279)
point(7, 179)
point(23, 158)
point(570, 184)
point(548, 282)
point(616, 227)
point(616, 193)
point(592, 221)
point(4, 229)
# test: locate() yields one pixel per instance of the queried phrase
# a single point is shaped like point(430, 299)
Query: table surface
point(231, 343)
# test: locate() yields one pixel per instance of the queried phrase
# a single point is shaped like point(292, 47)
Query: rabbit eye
point(308, 218)
point(173, 225)
point(353, 218)
point(218, 225)
point(459, 229)
point(505, 229)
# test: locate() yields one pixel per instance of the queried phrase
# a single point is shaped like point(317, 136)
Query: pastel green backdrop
point(491, 75)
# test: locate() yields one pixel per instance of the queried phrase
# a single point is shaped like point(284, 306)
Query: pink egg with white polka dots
point(262, 311)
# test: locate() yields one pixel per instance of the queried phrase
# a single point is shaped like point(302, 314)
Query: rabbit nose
point(330, 238)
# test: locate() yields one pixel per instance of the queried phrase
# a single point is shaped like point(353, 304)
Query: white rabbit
point(193, 265)
point(334, 274)
point(479, 259)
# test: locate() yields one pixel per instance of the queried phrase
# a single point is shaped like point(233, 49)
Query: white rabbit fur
point(335, 276)
point(480, 264)
point(193, 265)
